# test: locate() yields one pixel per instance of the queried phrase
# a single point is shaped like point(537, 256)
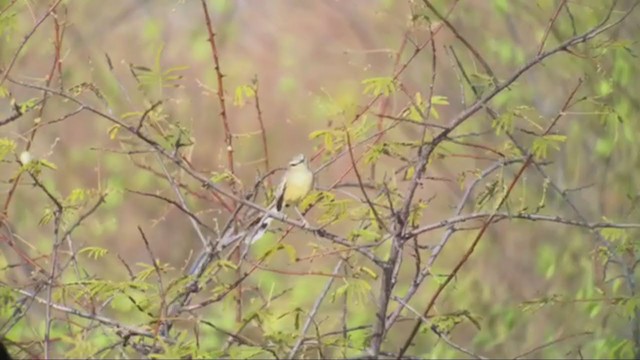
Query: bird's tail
point(251, 234)
point(261, 229)
point(258, 227)
point(263, 225)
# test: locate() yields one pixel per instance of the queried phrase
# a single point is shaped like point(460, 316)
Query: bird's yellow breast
point(298, 184)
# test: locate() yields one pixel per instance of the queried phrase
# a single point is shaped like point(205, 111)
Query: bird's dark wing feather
point(280, 199)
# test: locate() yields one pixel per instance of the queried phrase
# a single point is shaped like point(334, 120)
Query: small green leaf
point(246, 352)
point(47, 164)
point(4, 92)
point(94, 252)
point(218, 177)
point(379, 86)
point(411, 170)
point(226, 264)
point(439, 100)
point(368, 271)
point(146, 272)
point(129, 114)
point(7, 146)
point(316, 134)
point(366, 234)
point(503, 124)
point(113, 131)
point(540, 147)
point(291, 251)
point(242, 93)
point(613, 234)
point(46, 217)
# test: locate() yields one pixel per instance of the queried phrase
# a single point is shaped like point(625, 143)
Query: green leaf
point(46, 217)
point(613, 234)
point(366, 234)
point(146, 272)
point(379, 86)
point(314, 197)
point(317, 134)
point(157, 78)
point(368, 271)
point(76, 196)
point(226, 264)
point(540, 147)
point(242, 93)
point(444, 324)
point(556, 138)
point(7, 146)
point(113, 131)
point(340, 292)
point(503, 124)
point(47, 164)
point(28, 105)
point(411, 171)
point(247, 352)
point(439, 100)
point(334, 210)
point(218, 177)
point(94, 252)
point(290, 250)
point(594, 309)
point(416, 212)
point(480, 82)
point(376, 151)
point(4, 92)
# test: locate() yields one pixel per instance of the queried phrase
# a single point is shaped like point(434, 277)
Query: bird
point(297, 182)
point(295, 185)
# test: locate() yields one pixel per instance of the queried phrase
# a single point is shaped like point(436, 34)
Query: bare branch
point(314, 311)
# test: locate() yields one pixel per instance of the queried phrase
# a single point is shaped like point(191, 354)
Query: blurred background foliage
point(529, 285)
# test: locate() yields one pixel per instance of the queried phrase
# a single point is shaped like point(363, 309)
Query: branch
point(223, 109)
point(26, 38)
point(524, 216)
point(314, 311)
point(485, 226)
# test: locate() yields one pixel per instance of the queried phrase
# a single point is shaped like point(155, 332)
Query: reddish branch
point(263, 132)
point(550, 25)
point(228, 138)
point(26, 39)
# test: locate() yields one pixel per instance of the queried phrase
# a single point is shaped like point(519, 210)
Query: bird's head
point(297, 160)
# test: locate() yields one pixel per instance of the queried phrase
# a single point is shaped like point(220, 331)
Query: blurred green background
point(526, 285)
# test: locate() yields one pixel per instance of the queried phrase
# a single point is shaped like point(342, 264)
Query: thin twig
point(440, 335)
point(552, 342)
point(263, 131)
point(314, 311)
point(228, 138)
point(480, 234)
point(26, 39)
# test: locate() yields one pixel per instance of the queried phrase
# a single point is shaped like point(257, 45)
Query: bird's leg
point(304, 221)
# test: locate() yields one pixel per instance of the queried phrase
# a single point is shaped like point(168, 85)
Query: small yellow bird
point(296, 183)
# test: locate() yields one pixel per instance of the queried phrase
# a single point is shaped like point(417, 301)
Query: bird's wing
point(280, 195)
